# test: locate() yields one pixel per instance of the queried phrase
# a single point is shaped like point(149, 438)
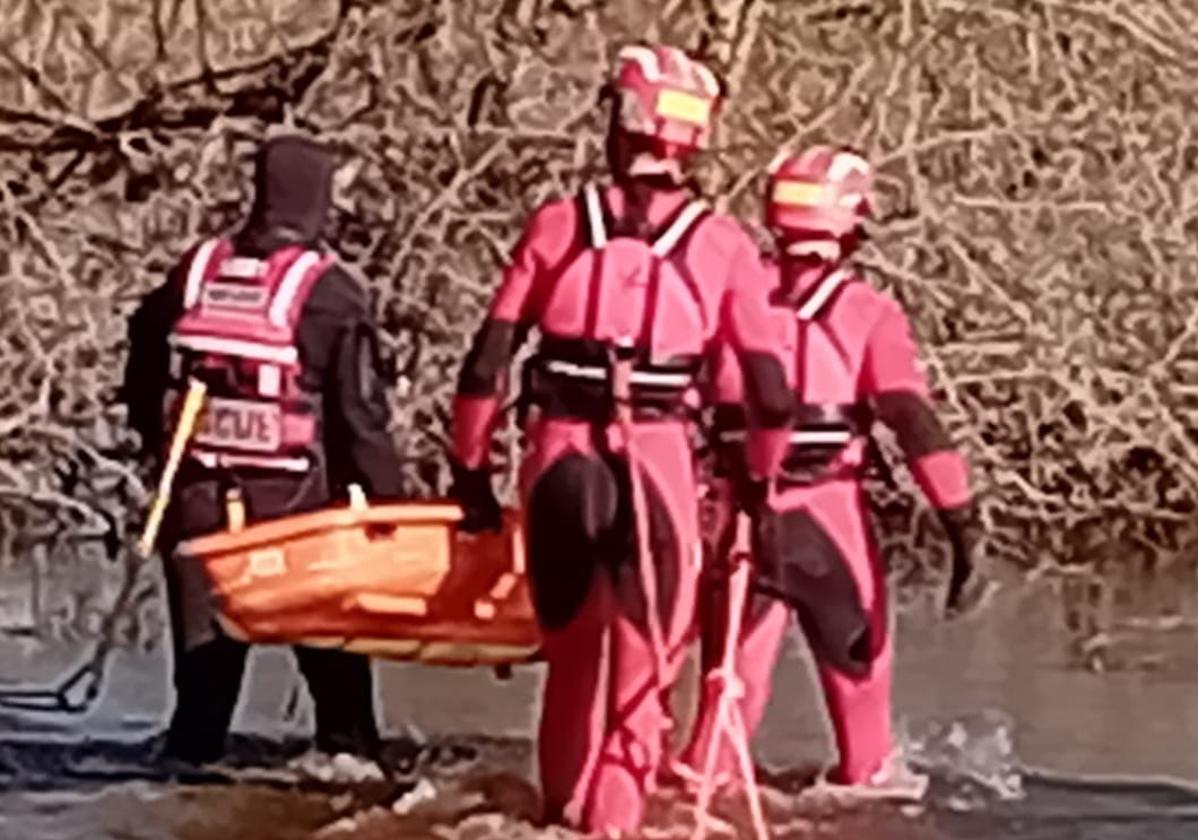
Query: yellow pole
point(193, 402)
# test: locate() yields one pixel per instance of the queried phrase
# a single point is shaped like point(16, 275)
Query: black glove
point(472, 489)
point(765, 527)
point(966, 589)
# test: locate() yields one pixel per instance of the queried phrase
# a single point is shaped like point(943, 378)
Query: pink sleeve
point(513, 308)
point(768, 398)
point(891, 356)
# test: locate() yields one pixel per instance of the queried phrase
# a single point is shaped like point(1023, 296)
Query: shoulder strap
point(820, 296)
point(682, 224)
point(592, 205)
point(598, 229)
point(292, 290)
point(199, 271)
point(675, 232)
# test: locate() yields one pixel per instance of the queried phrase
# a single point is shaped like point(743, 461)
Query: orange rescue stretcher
point(392, 580)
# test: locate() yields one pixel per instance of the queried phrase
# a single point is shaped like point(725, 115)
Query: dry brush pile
point(1038, 174)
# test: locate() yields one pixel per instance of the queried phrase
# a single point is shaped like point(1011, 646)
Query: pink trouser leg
point(636, 730)
point(860, 712)
point(602, 719)
point(604, 714)
point(758, 653)
point(860, 709)
point(573, 724)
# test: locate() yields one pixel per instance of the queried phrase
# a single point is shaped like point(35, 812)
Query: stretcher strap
point(729, 721)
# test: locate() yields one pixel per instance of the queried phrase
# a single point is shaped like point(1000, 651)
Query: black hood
point(293, 190)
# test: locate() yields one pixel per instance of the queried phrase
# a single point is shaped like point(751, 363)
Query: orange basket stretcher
point(392, 580)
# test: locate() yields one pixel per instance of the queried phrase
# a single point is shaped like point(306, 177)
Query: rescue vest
point(238, 334)
point(594, 315)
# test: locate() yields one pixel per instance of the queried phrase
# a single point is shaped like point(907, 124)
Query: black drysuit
point(338, 354)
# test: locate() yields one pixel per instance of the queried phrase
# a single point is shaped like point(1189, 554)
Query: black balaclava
point(621, 147)
point(809, 262)
point(293, 190)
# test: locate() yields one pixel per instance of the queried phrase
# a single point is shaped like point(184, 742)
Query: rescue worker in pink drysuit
point(628, 285)
point(851, 359)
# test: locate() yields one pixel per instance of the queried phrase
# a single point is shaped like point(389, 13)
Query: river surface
point(1030, 732)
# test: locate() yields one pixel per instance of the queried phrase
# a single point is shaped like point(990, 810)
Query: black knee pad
point(623, 549)
point(571, 510)
point(815, 579)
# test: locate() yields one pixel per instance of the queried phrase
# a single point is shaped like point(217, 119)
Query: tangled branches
point(1038, 179)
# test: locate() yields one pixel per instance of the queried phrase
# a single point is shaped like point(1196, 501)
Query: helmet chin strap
point(807, 261)
point(810, 250)
point(645, 165)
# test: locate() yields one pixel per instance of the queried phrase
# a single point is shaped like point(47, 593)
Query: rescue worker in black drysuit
point(338, 372)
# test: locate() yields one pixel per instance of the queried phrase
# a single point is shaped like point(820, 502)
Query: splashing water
point(975, 755)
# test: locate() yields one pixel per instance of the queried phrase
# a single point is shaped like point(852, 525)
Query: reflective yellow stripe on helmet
point(802, 194)
point(677, 105)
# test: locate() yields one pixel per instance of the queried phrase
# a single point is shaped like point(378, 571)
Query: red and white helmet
point(822, 190)
point(667, 96)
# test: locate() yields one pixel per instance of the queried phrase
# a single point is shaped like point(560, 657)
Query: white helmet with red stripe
point(667, 97)
point(823, 190)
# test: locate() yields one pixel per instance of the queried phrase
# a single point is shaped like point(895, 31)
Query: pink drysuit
point(651, 277)
point(851, 358)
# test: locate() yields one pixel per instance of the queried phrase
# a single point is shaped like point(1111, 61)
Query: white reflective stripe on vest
point(243, 268)
point(289, 288)
point(595, 217)
point(270, 381)
point(197, 271)
point(686, 219)
point(237, 347)
point(802, 438)
point(598, 374)
point(213, 460)
point(819, 299)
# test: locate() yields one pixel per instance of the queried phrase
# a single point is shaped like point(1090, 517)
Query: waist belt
point(799, 438)
point(822, 432)
point(578, 383)
point(816, 424)
point(641, 377)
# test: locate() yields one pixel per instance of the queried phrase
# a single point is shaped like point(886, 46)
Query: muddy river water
point(1028, 733)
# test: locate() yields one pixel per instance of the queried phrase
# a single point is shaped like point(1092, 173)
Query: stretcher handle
point(193, 403)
